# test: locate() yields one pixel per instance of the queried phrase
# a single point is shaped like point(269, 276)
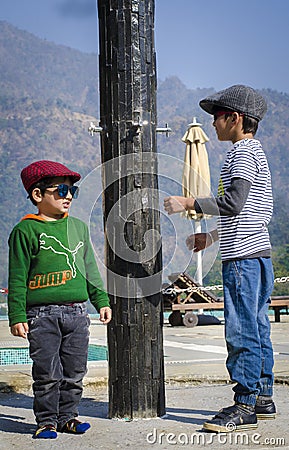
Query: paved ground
point(197, 386)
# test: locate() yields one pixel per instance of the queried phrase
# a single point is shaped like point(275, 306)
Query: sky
point(206, 43)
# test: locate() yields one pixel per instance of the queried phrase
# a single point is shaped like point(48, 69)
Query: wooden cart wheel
point(190, 319)
point(176, 319)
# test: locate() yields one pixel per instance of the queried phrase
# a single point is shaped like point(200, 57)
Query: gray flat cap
point(243, 99)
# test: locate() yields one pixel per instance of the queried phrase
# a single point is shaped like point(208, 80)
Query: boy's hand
point(105, 315)
point(20, 330)
point(178, 204)
point(198, 241)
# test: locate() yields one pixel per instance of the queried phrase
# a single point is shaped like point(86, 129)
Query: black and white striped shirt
point(246, 233)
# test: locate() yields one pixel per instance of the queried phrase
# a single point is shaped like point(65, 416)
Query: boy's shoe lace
point(74, 426)
point(45, 432)
point(235, 417)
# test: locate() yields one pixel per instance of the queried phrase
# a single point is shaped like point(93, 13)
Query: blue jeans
point(248, 285)
point(58, 337)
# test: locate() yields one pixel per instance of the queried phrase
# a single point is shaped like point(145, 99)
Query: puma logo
point(53, 244)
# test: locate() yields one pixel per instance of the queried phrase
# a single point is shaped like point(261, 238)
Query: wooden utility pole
point(131, 210)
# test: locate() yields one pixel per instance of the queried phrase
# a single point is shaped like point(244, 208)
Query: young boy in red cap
point(52, 273)
point(244, 205)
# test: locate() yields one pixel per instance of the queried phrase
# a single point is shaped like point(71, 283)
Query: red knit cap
point(43, 169)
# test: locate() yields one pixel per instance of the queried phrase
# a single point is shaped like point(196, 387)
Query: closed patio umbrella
point(196, 177)
point(196, 173)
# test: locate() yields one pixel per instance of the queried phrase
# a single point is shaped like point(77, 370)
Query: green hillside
point(49, 95)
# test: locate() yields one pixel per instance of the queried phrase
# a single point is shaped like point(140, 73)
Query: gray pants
point(58, 337)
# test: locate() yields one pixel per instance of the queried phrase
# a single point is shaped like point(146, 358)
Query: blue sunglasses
point(62, 190)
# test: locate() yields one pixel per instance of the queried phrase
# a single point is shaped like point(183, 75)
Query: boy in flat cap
point(52, 272)
point(244, 205)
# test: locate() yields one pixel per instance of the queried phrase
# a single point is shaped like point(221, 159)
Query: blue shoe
point(233, 418)
point(74, 426)
point(265, 408)
point(45, 432)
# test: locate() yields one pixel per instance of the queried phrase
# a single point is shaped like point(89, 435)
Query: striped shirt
point(246, 234)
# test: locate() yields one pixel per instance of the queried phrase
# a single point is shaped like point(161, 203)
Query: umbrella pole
point(199, 271)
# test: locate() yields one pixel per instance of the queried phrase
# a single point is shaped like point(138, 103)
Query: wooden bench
point(279, 302)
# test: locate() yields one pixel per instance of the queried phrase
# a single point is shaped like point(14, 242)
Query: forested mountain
point(49, 95)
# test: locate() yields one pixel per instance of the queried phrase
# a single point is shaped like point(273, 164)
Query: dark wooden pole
point(131, 211)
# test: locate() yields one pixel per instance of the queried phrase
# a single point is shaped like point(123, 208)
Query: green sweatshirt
point(51, 263)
